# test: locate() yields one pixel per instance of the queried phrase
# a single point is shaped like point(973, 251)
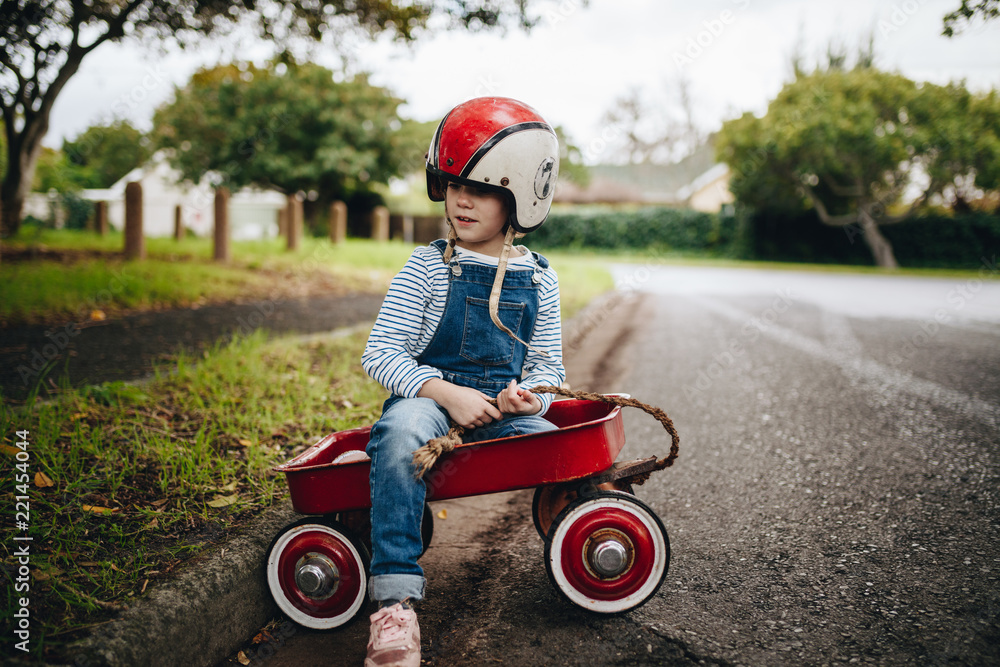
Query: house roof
point(644, 182)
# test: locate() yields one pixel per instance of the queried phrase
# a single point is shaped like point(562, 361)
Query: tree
point(659, 131)
point(54, 172)
point(571, 166)
point(288, 126)
point(102, 154)
point(852, 143)
point(956, 21)
point(43, 42)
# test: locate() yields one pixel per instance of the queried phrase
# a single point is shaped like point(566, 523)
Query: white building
point(253, 213)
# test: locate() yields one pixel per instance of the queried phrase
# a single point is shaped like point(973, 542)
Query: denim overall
point(470, 351)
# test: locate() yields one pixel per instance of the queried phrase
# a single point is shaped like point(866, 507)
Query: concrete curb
point(203, 615)
point(216, 603)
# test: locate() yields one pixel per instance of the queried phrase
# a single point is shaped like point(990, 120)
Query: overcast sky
point(579, 59)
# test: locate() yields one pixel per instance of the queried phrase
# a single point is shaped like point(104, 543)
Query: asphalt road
point(835, 501)
point(129, 348)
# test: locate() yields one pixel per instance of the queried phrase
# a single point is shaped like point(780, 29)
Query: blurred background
point(801, 131)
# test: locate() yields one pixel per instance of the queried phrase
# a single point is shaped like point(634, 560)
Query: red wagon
point(605, 550)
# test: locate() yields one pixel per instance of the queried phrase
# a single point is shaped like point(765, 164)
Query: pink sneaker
point(395, 638)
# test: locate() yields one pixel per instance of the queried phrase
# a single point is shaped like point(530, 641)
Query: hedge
point(927, 241)
point(661, 229)
point(931, 241)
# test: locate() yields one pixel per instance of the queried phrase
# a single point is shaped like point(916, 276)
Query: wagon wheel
point(317, 573)
point(550, 500)
point(607, 552)
point(359, 521)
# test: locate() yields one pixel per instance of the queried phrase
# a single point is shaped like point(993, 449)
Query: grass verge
point(125, 482)
point(76, 276)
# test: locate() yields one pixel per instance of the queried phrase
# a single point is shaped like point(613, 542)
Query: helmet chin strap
point(498, 285)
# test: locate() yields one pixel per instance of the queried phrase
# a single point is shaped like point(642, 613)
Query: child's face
point(478, 217)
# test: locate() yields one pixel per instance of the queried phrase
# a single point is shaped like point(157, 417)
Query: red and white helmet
point(499, 144)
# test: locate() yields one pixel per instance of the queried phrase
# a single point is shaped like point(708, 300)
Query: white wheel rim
point(620, 604)
point(286, 606)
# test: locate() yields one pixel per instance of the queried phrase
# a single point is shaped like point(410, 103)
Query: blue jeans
point(398, 498)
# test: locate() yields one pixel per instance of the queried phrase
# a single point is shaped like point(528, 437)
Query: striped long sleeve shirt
point(412, 311)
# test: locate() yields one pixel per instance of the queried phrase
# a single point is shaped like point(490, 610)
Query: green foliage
point(926, 241)
point(814, 135)
point(103, 154)
point(571, 166)
point(3, 149)
point(54, 172)
point(78, 210)
point(850, 143)
point(412, 140)
point(938, 241)
point(958, 20)
point(662, 229)
point(288, 126)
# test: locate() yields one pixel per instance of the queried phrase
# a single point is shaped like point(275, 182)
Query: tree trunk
point(16, 186)
point(877, 243)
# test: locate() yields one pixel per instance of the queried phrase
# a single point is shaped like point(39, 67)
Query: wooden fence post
point(380, 223)
point(135, 243)
point(338, 222)
point(282, 220)
point(178, 223)
point(101, 217)
point(221, 253)
point(293, 221)
point(408, 229)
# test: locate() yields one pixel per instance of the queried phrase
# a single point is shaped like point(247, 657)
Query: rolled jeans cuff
point(396, 587)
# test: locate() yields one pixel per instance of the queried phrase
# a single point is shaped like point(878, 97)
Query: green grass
point(76, 273)
point(144, 477)
point(581, 278)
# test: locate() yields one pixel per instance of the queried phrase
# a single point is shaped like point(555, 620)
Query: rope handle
point(425, 457)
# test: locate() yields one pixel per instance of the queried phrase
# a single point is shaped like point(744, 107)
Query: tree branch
point(854, 191)
point(74, 56)
point(914, 205)
point(824, 215)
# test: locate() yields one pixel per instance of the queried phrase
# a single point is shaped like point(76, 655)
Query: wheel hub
point(316, 576)
point(609, 553)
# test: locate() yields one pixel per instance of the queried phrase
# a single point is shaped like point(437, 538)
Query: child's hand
point(470, 408)
point(516, 401)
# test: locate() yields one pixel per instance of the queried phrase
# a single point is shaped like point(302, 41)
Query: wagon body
point(589, 438)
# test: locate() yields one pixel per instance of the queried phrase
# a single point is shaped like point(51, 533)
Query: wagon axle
point(608, 553)
point(316, 576)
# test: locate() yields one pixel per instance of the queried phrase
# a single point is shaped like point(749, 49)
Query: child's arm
point(402, 324)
